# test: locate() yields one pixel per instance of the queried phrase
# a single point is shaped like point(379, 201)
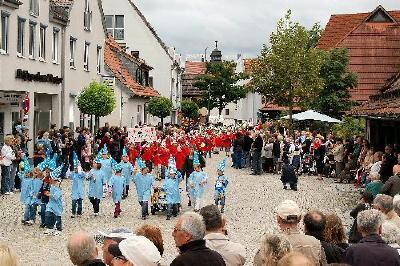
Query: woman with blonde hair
point(334, 231)
point(152, 233)
point(273, 248)
point(7, 256)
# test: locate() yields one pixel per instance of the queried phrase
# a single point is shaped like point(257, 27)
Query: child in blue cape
point(117, 182)
point(26, 187)
point(144, 183)
point(97, 181)
point(37, 184)
point(171, 186)
point(196, 184)
point(106, 167)
point(127, 171)
point(55, 206)
point(221, 184)
point(78, 187)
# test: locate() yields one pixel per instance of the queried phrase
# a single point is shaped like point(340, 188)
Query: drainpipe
point(63, 56)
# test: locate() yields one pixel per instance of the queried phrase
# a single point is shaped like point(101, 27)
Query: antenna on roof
point(216, 44)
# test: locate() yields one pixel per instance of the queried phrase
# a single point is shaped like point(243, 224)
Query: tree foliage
point(98, 99)
point(189, 109)
point(287, 70)
point(350, 127)
point(335, 98)
point(220, 85)
point(160, 107)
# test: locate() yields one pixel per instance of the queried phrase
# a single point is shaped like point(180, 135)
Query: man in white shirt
point(7, 155)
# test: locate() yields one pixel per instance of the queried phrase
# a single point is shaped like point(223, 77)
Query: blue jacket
point(144, 184)
point(118, 183)
point(26, 188)
point(96, 183)
point(127, 170)
point(221, 184)
point(78, 186)
point(171, 187)
point(36, 186)
point(106, 167)
point(56, 204)
point(194, 179)
point(46, 145)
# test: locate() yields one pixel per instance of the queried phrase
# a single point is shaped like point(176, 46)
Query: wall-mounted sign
point(26, 76)
point(11, 97)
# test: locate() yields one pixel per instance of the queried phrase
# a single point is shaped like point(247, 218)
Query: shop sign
point(10, 97)
point(26, 76)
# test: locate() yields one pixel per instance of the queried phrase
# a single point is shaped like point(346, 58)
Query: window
point(98, 59)
point(226, 111)
point(54, 49)
point(87, 16)
point(72, 48)
point(42, 43)
point(34, 7)
point(32, 36)
point(116, 26)
point(139, 76)
point(21, 36)
point(86, 57)
point(4, 32)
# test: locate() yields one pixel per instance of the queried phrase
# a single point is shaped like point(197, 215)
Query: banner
point(142, 134)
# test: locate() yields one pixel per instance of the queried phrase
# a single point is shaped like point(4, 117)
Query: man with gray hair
point(217, 238)
point(188, 234)
point(82, 250)
point(371, 250)
point(384, 204)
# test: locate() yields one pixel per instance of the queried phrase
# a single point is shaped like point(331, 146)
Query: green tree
point(160, 107)
point(287, 70)
point(335, 98)
point(220, 85)
point(189, 109)
point(97, 99)
point(350, 127)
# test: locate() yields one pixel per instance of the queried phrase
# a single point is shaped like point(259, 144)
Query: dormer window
point(87, 16)
point(380, 15)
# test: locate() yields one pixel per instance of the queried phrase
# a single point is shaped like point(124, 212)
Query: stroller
point(158, 201)
point(308, 165)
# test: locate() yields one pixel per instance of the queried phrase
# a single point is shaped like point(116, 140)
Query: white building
point(49, 51)
point(132, 31)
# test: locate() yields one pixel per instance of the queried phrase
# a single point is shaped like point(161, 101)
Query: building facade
point(134, 33)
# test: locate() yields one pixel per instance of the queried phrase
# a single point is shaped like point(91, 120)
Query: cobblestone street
point(250, 211)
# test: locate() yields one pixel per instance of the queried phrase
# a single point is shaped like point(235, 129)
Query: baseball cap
point(288, 209)
point(138, 250)
point(119, 233)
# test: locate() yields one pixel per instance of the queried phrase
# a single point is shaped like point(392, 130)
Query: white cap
point(288, 208)
point(140, 251)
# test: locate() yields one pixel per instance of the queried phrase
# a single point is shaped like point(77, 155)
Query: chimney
point(202, 58)
point(135, 54)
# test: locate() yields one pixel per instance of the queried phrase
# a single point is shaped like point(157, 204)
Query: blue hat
point(117, 167)
point(42, 166)
point(104, 150)
point(222, 165)
point(27, 165)
point(196, 158)
point(52, 163)
point(141, 163)
point(98, 158)
point(172, 165)
point(124, 152)
point(76, 160)
point(113, 162)
point(55, 175)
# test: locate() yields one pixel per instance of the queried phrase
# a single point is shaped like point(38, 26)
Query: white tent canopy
point(313, 115)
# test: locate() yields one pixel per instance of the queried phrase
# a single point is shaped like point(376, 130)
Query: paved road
point(250, 211)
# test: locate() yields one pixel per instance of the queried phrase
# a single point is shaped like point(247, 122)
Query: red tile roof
point(374, 49)
point(385, 104)
point(112, 51)
point(195, 68)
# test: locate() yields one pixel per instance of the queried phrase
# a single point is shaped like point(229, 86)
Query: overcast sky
point(240, 26)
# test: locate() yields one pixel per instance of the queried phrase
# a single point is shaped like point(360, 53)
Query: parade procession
point(278, 148)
